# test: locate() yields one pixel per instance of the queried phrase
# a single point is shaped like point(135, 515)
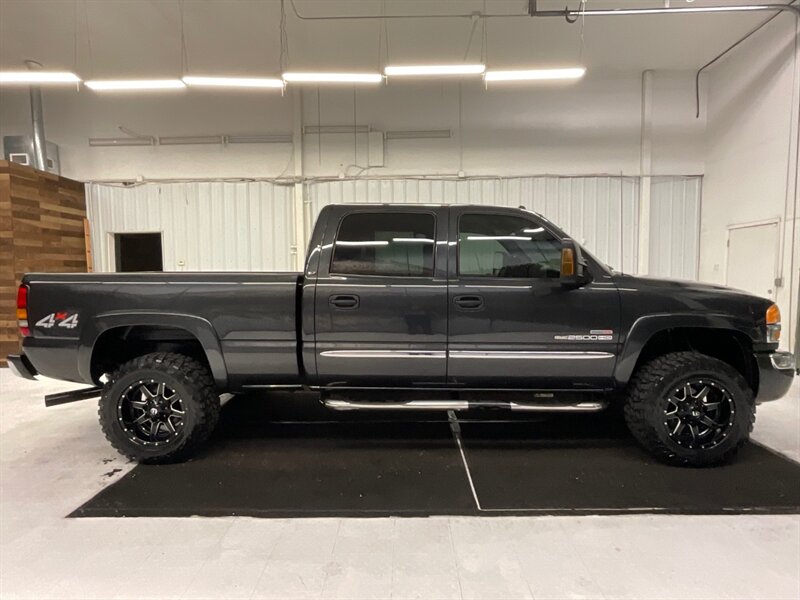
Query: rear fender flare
point(200, 328)
point(644, 328)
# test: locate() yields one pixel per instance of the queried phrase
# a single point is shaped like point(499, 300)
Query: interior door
point(512, 324)
point(752, 258)
point(381, 298)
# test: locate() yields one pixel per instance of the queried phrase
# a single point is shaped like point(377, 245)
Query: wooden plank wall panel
point(41, 230)
point(8, 294)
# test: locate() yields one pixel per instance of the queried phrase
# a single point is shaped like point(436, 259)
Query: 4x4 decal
point(59, 319)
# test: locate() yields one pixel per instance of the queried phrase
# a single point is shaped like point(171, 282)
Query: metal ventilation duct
point(37, 121)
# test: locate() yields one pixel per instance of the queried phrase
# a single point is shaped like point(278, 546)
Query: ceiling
point(142, 38)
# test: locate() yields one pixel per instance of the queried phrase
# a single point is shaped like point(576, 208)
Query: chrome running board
point(551, 407)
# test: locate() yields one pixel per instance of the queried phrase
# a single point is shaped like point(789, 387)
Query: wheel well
point(731, 347)
point(118, 345)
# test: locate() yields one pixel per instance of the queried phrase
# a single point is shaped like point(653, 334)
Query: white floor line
point(456, 429)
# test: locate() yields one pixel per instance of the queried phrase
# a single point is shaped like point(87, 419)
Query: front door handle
point(471, 302)
point(344, 301)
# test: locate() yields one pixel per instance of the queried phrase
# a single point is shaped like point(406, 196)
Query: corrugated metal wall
point(675, 226)
point(206, 226)
point(248, 226)
point(600, 212)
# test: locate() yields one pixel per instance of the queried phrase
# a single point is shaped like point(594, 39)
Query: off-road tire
point(183, 374)
point(647, 394)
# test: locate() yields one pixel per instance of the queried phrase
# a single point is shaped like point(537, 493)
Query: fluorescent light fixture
point(664, 11)
point(190, 139)
point(38, 77)
point(364, 243)
point(535, 74)
point(122, 141)
point(498, 238)
point(103, 85)
point(432, 70)
point(235, 82)
point(297, 77)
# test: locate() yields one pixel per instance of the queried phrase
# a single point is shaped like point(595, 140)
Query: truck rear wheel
point(159, 408)
point(689, 409)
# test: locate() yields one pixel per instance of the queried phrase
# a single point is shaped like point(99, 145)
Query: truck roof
point(406, 206)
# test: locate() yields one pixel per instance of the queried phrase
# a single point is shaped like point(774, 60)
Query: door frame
point(778, 245)
point(400, 359)
point(554, 359)
point(111, 248)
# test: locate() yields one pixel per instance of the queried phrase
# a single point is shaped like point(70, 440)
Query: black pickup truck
point(412, 307)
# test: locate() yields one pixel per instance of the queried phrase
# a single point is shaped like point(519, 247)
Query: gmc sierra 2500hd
point(412, 307)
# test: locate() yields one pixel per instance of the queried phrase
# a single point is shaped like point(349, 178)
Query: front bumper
point(775, 374)
point(21, 366)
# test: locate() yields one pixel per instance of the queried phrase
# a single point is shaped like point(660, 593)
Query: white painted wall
point(600, 212)
point(204, 226)
point(248, 226)
point(751, 162)
point(588, 127)
point(71, 117)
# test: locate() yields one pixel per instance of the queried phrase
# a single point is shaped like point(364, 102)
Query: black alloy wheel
point(690, 409)
point(151, 413)
point(699, 414)
point(159, 407)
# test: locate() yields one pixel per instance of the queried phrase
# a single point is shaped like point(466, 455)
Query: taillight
point(22, 310)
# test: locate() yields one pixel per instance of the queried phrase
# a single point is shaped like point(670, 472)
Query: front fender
point(644, 328)
point(200, 328)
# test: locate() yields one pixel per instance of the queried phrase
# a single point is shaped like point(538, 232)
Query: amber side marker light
point(567, 262)
point(22, 310)
point(773, 323)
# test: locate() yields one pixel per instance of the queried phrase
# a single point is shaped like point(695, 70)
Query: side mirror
point(573, 267)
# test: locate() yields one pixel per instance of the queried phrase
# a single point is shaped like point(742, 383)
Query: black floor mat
point(283, 455)
point(528, 467)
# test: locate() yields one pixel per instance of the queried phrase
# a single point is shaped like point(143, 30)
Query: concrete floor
point(53, 460)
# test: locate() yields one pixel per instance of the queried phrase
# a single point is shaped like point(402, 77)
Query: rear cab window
point(395, 244)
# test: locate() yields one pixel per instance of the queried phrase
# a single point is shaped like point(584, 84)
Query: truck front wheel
point(159, 407)
point(690, 409)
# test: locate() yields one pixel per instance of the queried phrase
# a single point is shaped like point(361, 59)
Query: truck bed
point(253, 316)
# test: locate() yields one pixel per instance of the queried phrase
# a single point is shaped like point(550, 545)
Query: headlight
point(773, 324)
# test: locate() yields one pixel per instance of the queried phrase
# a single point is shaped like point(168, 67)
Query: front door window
point(507, 247)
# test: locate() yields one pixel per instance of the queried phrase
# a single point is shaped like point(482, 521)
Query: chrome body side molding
point(384, 353)
point(493, 354)
point(529, 355)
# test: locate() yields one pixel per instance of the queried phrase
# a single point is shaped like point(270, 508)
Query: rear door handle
point(472, 302)
point(344, 301)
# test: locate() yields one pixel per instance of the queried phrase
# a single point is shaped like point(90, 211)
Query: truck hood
point(643, 296)
point(682, 285)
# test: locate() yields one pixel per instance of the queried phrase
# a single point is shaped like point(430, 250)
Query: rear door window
point(386, 243)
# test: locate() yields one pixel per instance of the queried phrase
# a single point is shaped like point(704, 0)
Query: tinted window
point(398, 244)
point(506, 246)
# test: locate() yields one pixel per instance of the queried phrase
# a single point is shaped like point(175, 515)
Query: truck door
point(381, 298)
point(511, 323)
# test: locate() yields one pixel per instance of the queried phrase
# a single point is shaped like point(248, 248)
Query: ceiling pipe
point(37, 121)
point(725, 52)
point(572, 15)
